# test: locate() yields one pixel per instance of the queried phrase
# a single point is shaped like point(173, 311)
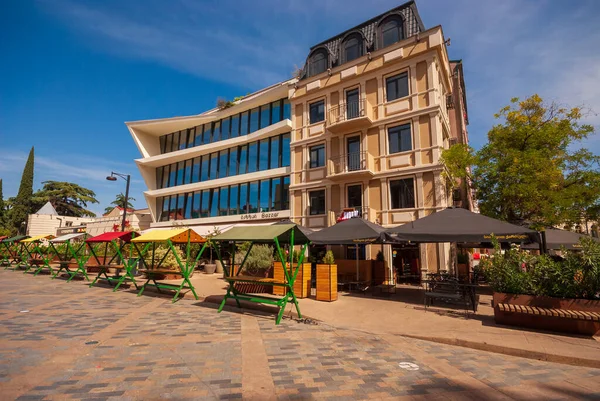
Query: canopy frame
point(117, 261)
point(13, 249)
point(287, 283)
point(37, 257)
point(71, 249)
point(185, 269)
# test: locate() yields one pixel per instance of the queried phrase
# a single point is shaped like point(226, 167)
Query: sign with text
point(259, 216)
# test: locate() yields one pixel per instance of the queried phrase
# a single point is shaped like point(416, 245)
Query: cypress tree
point(2, 212)
point(22, 205)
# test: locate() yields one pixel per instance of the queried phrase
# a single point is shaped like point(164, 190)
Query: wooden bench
point(119, 278)
point(452, 291)
point(563, 313)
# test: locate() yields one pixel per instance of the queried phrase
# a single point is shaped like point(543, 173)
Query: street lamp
point(126, 177)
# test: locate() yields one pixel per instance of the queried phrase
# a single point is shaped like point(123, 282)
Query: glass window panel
point(196, 205)
point(399, 138)
point(187, 174)
point(285, 150)
point(317, 112)
point(216, 131)
point(235, 126)
point(396, 87)
point(183, 135)
point(206, 136)
point(224, 202)
point(205, 205)
point(254, 117)
point(287, 109)
point(168, 143)
point(199, 135)
point(214, 160)
point(163, 143)
point(317, 63)
point(204, 167)
point(173, 175)
point(317, 156)
point(285, 204)
point(164, 215)
point(214, 202)
point(191, 137)
point(265, 115)
point(173, 207)
point(180, 207)
point(265, 194)
point(252, 157)
point(243, 198)
point(317, 202)
point(223, 161)
point(276, 191)
point(253, 197)
point(180, 172)
point(392, 32)
point(187, 214)
point(263, 155)
point(402, 193)
point(244, 123)
point(165, 177)
point(352, 49)
point(175, 144)
point(159, 177)
point(274, 162)
point(354, 196)
point(196, 170)
point(233, 199)
point(233, 161)
point(276, 112)
point(225, 126)
point(243, 164)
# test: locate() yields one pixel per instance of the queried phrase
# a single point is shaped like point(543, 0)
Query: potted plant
point(462, 264)
point(212, 267)
point(327, 278)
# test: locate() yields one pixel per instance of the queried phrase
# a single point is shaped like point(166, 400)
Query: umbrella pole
point(357, 270)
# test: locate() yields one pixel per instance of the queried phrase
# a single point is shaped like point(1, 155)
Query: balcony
point(363, 212)
point(349, 116)
point(355, 165)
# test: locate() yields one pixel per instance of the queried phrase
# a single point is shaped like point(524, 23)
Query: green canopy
point(16, 239)
point(263, 234)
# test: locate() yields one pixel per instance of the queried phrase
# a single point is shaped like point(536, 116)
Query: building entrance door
point(406, 263)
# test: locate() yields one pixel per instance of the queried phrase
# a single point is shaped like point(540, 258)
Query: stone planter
point(219, 266)
point(210, 268)
point(553, 323)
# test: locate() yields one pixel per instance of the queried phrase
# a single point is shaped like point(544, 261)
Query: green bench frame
point(128, 264)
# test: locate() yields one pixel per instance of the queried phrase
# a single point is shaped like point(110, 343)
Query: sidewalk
point(403, 314)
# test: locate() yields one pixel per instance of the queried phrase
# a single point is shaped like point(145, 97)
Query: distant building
point(47, 221)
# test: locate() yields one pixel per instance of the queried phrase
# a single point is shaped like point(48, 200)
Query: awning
point(68, 237)
point(305, 230)
point(177, 236)
point(556, 239)
point(16, 239)
point(264, 234)
point(38, 238)
point(3, 237)
point(351, 232)
point(461, 225)
point(109, 236)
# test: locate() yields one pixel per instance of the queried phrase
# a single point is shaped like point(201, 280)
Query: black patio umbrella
point(461, 225)
point(556, 239)
point(305, 230)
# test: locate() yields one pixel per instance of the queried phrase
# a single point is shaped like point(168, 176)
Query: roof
point(461, 225)
point(263, 234)
point(350, 232)
point(38, 238)
point(68, 237)
point(16, 238)
point(47, 209)
point(109, 236)
point(178, 236)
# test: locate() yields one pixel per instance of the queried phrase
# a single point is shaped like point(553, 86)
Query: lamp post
point(126, 177)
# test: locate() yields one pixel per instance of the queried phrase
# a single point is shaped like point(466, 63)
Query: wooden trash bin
point(301, 285)
point(327, 283)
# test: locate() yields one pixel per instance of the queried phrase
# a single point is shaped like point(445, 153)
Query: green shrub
point(170, 261)
point(328, 259)
point(259, 259)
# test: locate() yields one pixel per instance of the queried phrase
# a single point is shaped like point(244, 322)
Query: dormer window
point(352, 47)
point(391, 30)
point(317, 62)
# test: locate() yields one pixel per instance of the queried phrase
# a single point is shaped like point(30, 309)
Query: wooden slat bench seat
point(161, 271)
point(36, 261)
point(562, 313)
point(252, 279)
point(118, 278)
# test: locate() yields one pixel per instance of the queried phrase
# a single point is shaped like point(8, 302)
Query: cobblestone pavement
point(64, 341)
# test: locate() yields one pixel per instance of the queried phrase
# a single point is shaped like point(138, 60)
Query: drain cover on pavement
point(408, 366)
point(91, 342)
point(24, 311)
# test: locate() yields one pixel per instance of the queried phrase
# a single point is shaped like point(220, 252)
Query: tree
point(528, 170)
point(119, 201)
point(2, 207)
point(68, 199)
point(21, 204)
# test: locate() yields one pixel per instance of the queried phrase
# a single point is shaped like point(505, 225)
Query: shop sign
point(259, 216)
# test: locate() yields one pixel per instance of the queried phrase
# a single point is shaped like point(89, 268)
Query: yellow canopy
point(177, 236)
point(39, 238)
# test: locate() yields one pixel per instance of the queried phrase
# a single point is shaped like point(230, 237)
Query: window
point(163, 143)
point(68, 224)
point(287, 109)
point(206, 135)
point(191, 137)
point(352, 47)
point(235, 126)
point(214, 164)
point(214, 202)
point(285, 203)
point(253, 197)
point(196, 170)
point(205, 205)
point(276, 193)
point(187, 214)
point(243, 198)
point(196, 205)
point(223, 162)
point(199, 135)
point(159, 177)
point(204, 168)
point(216, 131)
point(275, 153)
point(244, 124)
point(265, 193)
point(164, 215)
point(396, 87)
point(180, 206)
point(265, 115)
point(285, 150)
point(317, 156)
point(243, 165)
point(187, 173)
point(400, 139)
point(233, 199)
point(183, 139)
point(233, 161)
point(224, 205)
point(252, 157)
point(318, 62)
point(254, 116)
point(275, 112)
point(317, 112)
point(391, 31)
point(317, 202)
point(180, 173)
point(172, 175)
point(402, 193)
point(263, 155)
point(354, 196)
point(175, 143)
point(225, 126)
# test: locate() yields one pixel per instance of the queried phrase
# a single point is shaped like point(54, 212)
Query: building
point(229, 165)
point(371, 116)
point(47, 221)
point(358, 133)
point(136, 220)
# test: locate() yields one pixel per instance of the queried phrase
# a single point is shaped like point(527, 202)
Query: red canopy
point(109, 236)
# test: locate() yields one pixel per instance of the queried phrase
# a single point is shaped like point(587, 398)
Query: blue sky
point(74, 71)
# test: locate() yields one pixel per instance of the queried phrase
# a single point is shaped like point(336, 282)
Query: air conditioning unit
point(449, 102)
point(453, 141)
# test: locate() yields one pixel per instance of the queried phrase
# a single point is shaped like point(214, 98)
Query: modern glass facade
point(230, 127)
point(266, 154)
point(268, 195)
